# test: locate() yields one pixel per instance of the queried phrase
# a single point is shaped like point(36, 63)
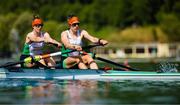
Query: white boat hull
point(76, 74)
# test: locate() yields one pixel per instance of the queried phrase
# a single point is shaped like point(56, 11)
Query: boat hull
point(141, 75)
point(76, 74)
point(50, 73)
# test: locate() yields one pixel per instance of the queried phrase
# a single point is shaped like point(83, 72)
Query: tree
point(5, 27)
point(170, 24)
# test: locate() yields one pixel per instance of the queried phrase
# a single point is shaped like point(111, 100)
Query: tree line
point(16, 16)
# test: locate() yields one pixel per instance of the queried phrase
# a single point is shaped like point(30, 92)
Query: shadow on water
point(15, 91)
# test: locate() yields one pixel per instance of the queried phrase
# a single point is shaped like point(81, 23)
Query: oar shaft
point(50, 55)
point(56, 54)
point(116, 64)
point(11, 64)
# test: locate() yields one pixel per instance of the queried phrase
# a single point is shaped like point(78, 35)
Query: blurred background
point(135, 29)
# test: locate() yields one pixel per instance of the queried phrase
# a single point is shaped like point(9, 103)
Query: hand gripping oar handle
point(116, 64)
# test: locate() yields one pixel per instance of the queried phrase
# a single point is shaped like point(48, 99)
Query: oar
point(32, 59)
point(114, 63)
point(39, 57)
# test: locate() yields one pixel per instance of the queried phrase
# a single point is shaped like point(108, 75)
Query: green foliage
point(101, 18)
point(5, 27)
point(54, 29)
point(23, 25)
point(176, 9)
point(170, 24)
point(144, 34)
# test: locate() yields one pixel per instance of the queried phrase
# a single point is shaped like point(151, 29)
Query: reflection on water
point(15, 91)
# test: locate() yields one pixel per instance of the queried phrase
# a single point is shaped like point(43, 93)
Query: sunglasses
point(74, 24)
point(38, 25)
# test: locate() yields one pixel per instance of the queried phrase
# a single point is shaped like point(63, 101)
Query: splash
point(167, 67)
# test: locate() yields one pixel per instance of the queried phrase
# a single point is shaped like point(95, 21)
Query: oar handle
point(50, 55)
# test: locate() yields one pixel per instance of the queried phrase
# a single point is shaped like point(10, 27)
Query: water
point(167, 67)
point(90, 92)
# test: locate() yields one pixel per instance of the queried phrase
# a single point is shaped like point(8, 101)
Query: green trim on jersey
point(26, 49)
point(63, 49)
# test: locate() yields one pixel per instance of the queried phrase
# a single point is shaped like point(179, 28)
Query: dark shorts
point(22, 57)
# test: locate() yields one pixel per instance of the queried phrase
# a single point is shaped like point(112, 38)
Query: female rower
point(72, 39)
point(35, 41)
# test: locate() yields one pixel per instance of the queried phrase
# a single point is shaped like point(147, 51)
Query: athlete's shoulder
point(84, 32)
point(29, 34)
point(64, 32)
point(45, 33)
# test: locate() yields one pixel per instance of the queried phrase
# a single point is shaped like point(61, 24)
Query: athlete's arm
point(65, 41)
point(50, 40)
point(93, 39)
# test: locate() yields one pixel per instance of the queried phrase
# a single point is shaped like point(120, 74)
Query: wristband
point(99, 41)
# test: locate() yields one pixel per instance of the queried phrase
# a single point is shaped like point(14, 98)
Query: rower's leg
point(69, 62)
point(42, 61)
point(22, 57)
point(81, 64)
point(28, 65)
point(93, 65)
point(90, 61)
point(72, 61)
point(50, 62)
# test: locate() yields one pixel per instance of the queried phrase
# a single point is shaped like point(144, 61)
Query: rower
point(35, 42)
point(72, 39)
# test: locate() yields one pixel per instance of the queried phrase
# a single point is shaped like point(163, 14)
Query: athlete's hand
point(59, 45)
point(103, 42)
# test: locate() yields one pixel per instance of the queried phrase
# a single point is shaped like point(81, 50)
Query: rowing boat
point(10, 70)
point(77, 74)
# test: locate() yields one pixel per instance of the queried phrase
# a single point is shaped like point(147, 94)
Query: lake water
point(91, 92)
point(88, 92)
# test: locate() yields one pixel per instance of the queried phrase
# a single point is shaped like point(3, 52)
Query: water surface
point(91, 92)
